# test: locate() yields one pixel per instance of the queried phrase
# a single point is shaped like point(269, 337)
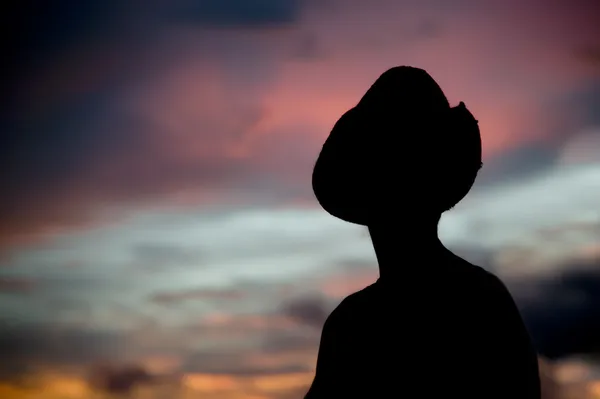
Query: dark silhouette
point(433, 325)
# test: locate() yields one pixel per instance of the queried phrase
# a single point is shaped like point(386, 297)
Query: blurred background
point(158, 233)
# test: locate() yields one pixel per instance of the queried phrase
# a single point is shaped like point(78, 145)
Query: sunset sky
point(158, 233)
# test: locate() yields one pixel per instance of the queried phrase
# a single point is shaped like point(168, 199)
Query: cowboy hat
point(401, 145)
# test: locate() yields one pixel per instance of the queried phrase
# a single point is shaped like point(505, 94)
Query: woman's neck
point(402, 247)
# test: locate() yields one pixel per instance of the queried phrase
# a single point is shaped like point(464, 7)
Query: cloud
point(118, 379)
point(312, 311)
point(70, 145)
point(200, 102)
point(517, 164)
point(509, 213)
point(156, 359)
point(25, 348)
point(197, 104)
point(580, 104)
point(160, 256)
point(551, 388)
point(64, 176)
point(273, 351)
point(351, 279)
point(591, 55)
point(65, 26)
point(561, 311)
point(238, 13)
point(578, 121)
point(10, 285)
point(299, 346)
point(173, 298)
point(239, 364)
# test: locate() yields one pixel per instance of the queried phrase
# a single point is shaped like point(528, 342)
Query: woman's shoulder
point(489, 290)
point(474, 283)
point(474, 274)
point(352, 304)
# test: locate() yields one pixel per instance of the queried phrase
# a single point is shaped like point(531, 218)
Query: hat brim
point(337, 181)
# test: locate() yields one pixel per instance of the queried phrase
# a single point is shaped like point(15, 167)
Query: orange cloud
point(187, 386)
point(48, 386)
point(53, 385)
point(226, 387)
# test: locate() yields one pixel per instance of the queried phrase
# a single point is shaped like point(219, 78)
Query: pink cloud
point(215, 112)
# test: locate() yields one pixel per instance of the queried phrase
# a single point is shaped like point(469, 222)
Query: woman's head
point(401, 151)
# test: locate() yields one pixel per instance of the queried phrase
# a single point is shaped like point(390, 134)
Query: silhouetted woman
point(432, 325)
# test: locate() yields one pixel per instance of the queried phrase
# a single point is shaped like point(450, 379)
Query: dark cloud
point(563, 313)
point(60, 123)
point(70, 154)
point(237, 13)
point(41, 31)
point(571, 112)
point(587, 101)
point(86, 153)
point(237, 363)
point(216, 362)
point(290, 341)
point(40, 150)
point(173, 298)
point(118, 379)
point(110, 357)
point(46, 154)
point(66, 155)
point(579, 107)
point(12, 285)
point(589, 55)
point(310, 310)
point(518, 163)
point(26, 346)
